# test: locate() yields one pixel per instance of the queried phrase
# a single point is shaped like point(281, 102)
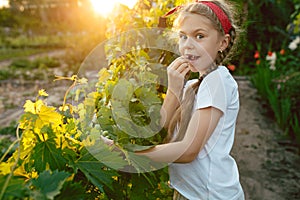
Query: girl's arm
point(177, 72)
point(200, 128)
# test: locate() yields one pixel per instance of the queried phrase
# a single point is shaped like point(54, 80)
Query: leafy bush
point(5, 74)
point(61, 146)
point(277, 79)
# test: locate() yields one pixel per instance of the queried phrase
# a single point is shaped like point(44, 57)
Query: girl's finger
point(186, 71)
point(183, 67)
point(177, 63)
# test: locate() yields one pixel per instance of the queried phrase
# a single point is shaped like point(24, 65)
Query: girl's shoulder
point(221, 75)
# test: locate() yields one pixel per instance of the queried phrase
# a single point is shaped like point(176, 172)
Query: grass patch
point(11, 53)
point(9, 130)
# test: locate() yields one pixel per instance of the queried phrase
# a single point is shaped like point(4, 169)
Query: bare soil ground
point(268, 170)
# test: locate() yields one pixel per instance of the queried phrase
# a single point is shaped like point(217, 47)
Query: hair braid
point(226, 52)
point(182, 113)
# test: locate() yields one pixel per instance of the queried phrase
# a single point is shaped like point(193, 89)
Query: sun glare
point(106, 6)
point(4, 3)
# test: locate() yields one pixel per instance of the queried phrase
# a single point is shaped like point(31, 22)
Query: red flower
point(258, 62)
point(231, 67)
point(282, 52)
point(270, 53)
point(256, 55)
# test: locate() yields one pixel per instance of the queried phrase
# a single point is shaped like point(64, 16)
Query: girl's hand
point(177, 72)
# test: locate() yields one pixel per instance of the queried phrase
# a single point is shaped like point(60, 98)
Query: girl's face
point(199, 42)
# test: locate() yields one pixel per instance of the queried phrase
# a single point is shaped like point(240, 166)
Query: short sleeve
point(212, 93)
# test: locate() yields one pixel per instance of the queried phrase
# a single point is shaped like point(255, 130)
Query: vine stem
point(8, 150)
point(67, 92)
point(4, 187)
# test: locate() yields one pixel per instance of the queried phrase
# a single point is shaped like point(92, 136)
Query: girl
point(201, 114)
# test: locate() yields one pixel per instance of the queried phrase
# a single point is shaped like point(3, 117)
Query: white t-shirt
point(213, 175)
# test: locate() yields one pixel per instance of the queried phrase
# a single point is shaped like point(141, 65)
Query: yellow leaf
point(42, 92)
point(49, 115)
point(5, 167)
point(43, 137)
point(88, 141)
point(82, 81)
point(20, 171)
point(28, 140)
point(29, 106)
point(103, 75)
point(34, 174)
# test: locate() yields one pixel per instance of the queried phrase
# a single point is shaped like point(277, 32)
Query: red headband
point(226, 25)
point(220, 14)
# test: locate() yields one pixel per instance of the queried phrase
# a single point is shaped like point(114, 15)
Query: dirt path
point(268, 171)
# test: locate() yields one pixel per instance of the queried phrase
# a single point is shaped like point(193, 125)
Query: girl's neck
point(207, 71)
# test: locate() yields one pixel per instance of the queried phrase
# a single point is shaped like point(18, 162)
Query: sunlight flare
point(105, 7)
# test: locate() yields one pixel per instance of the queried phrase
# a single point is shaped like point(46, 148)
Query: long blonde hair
point(183, 113)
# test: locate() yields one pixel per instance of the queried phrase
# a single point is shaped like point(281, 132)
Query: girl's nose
point(189, 43)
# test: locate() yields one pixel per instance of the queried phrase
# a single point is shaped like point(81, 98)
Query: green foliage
point(27, 64)
point(39, 69)
point(24, 41)
point(263, 22)
point(50, 141)
point(9, 53)
point(277, 81)
point(16, 188)
point(7, 19)
point(6, 140)
point(57, 151)
point(48, 185)
point(295, 17)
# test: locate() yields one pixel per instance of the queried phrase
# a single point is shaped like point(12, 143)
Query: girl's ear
point(224, 42)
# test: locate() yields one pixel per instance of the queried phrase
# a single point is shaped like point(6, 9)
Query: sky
point(3, 3)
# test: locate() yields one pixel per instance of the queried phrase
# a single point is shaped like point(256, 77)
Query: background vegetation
point(62, 137)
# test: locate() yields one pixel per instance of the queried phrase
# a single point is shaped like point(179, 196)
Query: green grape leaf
point(142, 185)
point(105, 119)
point(91, 163)
point(45, 154)
point(147, 77)
point(101, 152)
point(16, 188)
point(123, 91)
point(147, 96)
point(48, 184)
point(142, 163)
point(72, 190)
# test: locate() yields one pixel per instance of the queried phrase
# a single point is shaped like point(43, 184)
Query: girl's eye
point(182, 36)
point(199, 36)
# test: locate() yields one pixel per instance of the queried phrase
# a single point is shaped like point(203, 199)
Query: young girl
point(201, 114)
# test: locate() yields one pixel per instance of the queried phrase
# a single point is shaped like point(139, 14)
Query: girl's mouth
point(191, 57)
